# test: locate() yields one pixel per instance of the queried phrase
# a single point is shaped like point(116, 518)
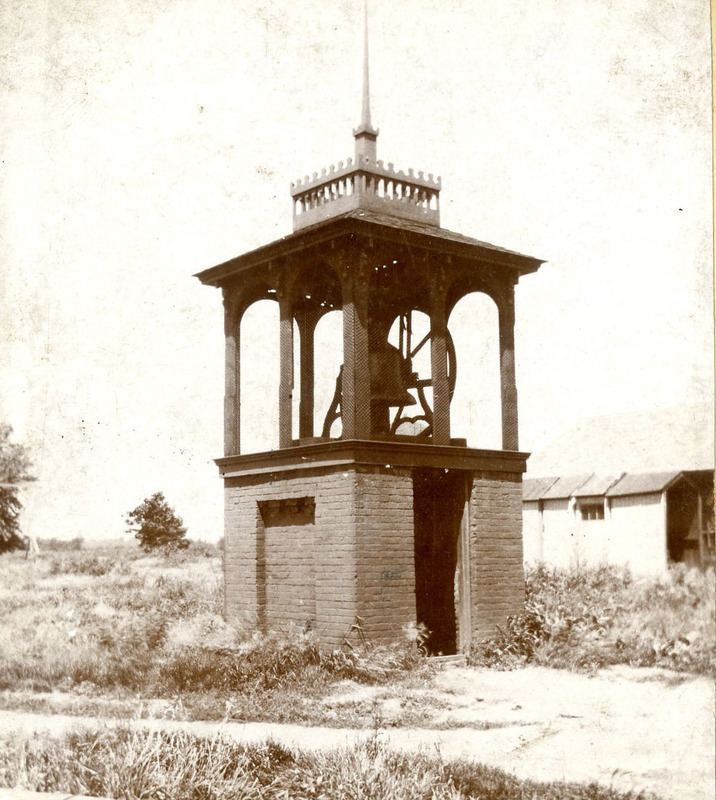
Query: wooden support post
point(438, 366)
point(307, 322)
point(356, 395)
point(232, 381)
point(700, 522)
point(285, 392)
point(508, 384)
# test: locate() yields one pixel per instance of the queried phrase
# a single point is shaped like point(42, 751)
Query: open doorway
point(438, 506)
point(683, 529)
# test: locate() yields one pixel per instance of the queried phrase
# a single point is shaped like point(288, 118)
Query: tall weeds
point(87, 621)
point(98, 618)
point(589, 618)
point(112, 622)
point(135, 765)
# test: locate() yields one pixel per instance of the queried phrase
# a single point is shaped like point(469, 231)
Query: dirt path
point(627, 728)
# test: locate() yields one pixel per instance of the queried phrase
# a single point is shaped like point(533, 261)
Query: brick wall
point(354, 560)
point(335, 556)
point(356, 557)
point(385, 551)
point(497, 576)
point(241, 524)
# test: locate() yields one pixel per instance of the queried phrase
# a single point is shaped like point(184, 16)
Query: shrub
point(590, 618)
point(61, 545)
point(266, 662)
point(205, 549)
point(80, 563)
point(156, 525)
point(262, 663)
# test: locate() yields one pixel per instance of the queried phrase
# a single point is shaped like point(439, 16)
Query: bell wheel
point(415, 347)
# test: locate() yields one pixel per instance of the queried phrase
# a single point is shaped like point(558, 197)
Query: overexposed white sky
point(145, 140)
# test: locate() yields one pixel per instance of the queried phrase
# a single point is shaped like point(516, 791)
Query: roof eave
point(339, 226)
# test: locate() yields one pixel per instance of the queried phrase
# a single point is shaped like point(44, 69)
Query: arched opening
point(328, 353)
point(476, 408)
point(259, 359)
point(315, 296)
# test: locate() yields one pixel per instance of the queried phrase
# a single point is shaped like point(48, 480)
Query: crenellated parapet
point(364, 183)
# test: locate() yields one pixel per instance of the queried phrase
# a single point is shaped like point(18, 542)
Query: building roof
point(665, 440)
point(644, 483)
point(596, 485)
point(563, 488)
point(534, 488)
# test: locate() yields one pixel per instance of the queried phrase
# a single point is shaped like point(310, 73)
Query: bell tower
point(380, 517)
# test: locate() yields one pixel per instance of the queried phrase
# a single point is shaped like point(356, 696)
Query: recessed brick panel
point(290, 576)
point(307, 568)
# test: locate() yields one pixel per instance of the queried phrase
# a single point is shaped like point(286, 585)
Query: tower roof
point(375, 226)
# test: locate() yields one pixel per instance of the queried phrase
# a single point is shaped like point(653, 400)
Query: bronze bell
point(390, 376)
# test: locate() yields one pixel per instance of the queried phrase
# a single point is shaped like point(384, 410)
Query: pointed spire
point(365, 134)
point(365, 183)
point(365, 119)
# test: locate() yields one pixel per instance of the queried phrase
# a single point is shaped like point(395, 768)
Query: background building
point(630, 489)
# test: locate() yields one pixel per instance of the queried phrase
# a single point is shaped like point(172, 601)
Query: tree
point(15, 467)
point(156, 525)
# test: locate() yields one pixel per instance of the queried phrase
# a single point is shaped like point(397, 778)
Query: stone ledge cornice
point(350, 453)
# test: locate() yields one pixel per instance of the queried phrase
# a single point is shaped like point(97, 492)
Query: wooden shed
point(644, 497)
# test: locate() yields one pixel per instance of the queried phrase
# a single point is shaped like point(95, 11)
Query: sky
point(145, 140)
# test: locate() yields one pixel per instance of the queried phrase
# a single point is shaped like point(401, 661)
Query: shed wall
point(559, 534)
point(638, 533)
point(531, 533)
point(632, 535)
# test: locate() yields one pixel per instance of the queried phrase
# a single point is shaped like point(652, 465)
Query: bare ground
point(640, 729)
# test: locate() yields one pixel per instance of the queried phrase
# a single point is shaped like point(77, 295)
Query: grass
point(134, 765)
point(585, 619)
point(81, 629)
point(117, 633)
point(95, 624)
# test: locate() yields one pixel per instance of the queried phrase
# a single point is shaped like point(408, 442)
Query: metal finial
point(365, 135)
point(365, 118)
